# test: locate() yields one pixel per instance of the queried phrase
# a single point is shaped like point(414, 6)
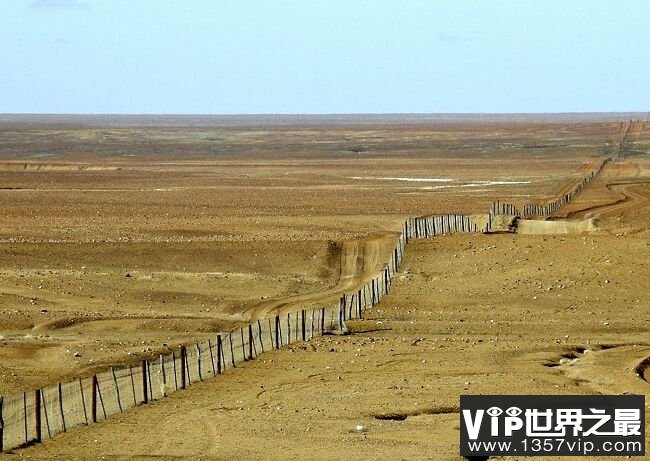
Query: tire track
point(631, 196)
point(359, 262)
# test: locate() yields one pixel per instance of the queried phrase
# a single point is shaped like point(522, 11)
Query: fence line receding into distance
point(33, 416)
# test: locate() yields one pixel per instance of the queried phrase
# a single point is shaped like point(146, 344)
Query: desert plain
point(121, 241)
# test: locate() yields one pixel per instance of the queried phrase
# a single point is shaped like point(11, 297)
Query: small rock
point(360, 428)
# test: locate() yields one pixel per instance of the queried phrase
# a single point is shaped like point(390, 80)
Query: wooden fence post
point(93, 400)
point(219, 354)
point(183, 368)
point(175, 371)
point(145, 387)
point(232, 350)
point(304, 327)
point(117, 389)
point(151, 397)
point(277, 332)
point(395, 259)
point(243, 345)
point(259, 327)
point(37, 414)
point(83, 400)
point(288, 327)
point(250, 341)
point(61, 408)
point(2, 425)
point(214, 370)
point(386, 281)
point(25, 415)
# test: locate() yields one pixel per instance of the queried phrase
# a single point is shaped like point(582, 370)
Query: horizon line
point(99, 120)
point(246, 114)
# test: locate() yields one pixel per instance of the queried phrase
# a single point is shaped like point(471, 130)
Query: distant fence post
point(145, 387)
point(288, 327)
point(25, 415)
point(2, 425)
point(386, 281)
point(214, 368)
point(83, 400)
point(304, 327)
point(117, 389)
point(60, 408)
point(232, 350)
point(219, 354)
point(183, 367)
point(37, 414)
point(173, 370)
point(250, 341)
point(243, 343)
point(93, 399)
point(259, 327)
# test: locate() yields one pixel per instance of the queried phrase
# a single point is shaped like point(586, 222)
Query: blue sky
point(313, 56)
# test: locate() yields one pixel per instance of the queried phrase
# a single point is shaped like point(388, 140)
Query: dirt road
point(360, 260)
point(633, 196)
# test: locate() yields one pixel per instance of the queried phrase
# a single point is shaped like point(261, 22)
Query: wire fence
point(533, 210)
point(33, 416)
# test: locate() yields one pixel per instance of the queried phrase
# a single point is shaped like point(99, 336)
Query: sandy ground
point(559, 313)
point(468, 315)
point(117, 243)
